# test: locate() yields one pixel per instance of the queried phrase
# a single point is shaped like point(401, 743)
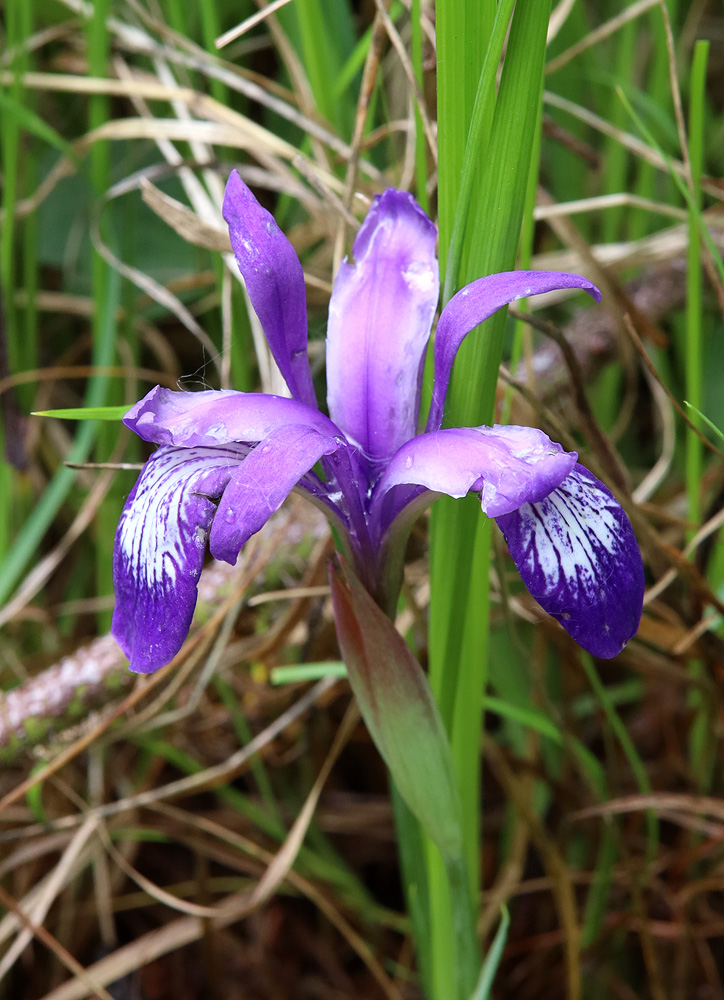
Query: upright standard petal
point(219, 416)
point(380, 318)
point(476, 303)
point(159, 550)
point(578, 556)
point(275, 283)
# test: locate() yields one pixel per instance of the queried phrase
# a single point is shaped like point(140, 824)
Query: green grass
point(460, 541)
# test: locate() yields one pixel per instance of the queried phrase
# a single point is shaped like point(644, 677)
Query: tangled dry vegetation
point(208, 833)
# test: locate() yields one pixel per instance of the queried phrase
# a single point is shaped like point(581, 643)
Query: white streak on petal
point(569, 535)
point(578, 556)
point(160, 546)
point(162, 500)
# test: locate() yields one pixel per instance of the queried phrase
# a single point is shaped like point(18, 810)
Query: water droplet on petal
point(229, 515)
point(409, 462)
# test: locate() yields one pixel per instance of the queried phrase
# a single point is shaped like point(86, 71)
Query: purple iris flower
point(227, 460)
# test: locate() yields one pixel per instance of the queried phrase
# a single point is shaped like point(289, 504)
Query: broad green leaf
point(403, 719)
point(399, 710)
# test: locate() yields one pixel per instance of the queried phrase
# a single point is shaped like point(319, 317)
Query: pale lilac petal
point(476, 303)
point(262, 483)
point(159, 549)
point(380, 318)
point(578, 556)
point(275, 283)
point(508, 466)
point(212, 417)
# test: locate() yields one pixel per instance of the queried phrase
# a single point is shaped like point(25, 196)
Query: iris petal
point(184, 496)
point(275, 283)
point(508, 466)
point(578, 556)
point(219, 416)
point(261, 485)
point(476, 303)
point(160, 546)
point(380, 317)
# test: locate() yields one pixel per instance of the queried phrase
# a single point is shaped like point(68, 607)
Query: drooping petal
point(380, 318)
point(476, 303)
point(262, 483)
point(159, 549)
point(275, 283)
point(184, 496)
point(219, 416)
point(578, 556)
point(508, 466)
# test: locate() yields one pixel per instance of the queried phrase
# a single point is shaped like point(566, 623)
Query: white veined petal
point(160, 547)
point(578, 556)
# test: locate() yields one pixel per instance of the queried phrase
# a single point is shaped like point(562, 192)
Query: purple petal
point(183, 496)
point(476, 303)
point(219, 417)
point(159, 550)
point(578, 556)
point(380, 318)
point(262, 483)
point(508, 466)
point(274, 281)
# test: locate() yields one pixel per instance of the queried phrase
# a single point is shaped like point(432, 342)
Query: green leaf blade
point(85, 413)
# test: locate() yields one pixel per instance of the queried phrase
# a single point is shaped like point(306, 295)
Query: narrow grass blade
point(56, 492)
point(476, 145)
point(694, 447)
point(686, 194)
point(628, 746)
point(492, 959)
point(85, 413)
point(308, 672)
point(542, 724)
point(600, 888)
point(411, 847)
point(707, 421)
point(28, 120)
